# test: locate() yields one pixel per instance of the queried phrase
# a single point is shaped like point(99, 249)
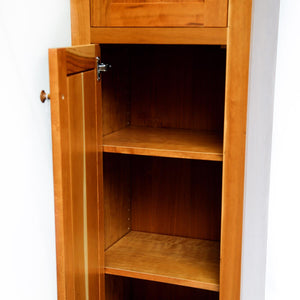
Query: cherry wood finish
point(80, 22)
point(80, 59)
point(163, 258)
point(70, 62)
point(74, 123)
point(117, 197)
point(164, 86)
point(234, 147)
point(44, 96)
point(116, 88)
point(78, 181)
point(147, 290)
point(178, 143)
point(176, 197)
point(101, 234)
point(62, 194)
point(117, 288)
point(178, 87)
point(125, 288)
point(162, 195)
point(163, 35)
point(143, 13)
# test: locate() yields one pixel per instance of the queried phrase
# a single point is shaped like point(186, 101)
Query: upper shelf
point(177, 143)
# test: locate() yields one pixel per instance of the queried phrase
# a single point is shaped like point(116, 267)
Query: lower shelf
point(163, 258)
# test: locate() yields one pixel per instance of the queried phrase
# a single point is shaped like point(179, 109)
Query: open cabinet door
point(75, 95)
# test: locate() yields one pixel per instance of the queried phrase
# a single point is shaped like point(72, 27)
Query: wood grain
point(149, 86)
point(80, 59)
point(95, 243)
point(178, 87)
point(106, 13)
point(117, 288)
point(142, 35)
point(116, 88)
point(153, 257)
point(78, 183)
point(148, 290)
point(117, 197)
point(136, 289)
point(82, 120)
point(80, 22)
point(234, 147)
point(61, 163)
point(99, 133)
point(167, 196)
point(165, 142)
point(75, 176)
point(176, 197)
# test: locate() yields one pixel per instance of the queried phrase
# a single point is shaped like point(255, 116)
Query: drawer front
point(158, 13)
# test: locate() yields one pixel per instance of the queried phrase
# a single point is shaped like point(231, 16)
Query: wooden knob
point(44, 96)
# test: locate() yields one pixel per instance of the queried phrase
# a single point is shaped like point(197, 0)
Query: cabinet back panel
point(116, 181)
point(115, 88)
point(178, 87)
point(122, 288)
point(176, 197)
point(117, 288)
point(164, 86)
point(161, 195)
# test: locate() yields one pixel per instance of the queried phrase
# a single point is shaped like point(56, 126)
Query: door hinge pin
point(101, 67)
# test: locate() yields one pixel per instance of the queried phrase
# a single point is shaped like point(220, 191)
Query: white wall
point(265, 14)
point(27, 247)
point(283, 254)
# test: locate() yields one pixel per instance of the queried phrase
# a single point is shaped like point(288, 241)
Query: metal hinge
point(101, 67)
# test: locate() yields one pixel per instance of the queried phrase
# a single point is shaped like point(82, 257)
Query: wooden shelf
point(179, 143)
point(164, 258)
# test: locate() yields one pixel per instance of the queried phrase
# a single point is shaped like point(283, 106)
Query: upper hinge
point(101, 67)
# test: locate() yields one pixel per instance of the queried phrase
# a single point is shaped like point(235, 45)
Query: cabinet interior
point(134, 289)
point(163, 119)
point(158, 91)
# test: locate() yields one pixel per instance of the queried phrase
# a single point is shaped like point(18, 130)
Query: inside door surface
point(75, 92)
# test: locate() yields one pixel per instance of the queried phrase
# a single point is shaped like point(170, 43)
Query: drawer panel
point(155, 13)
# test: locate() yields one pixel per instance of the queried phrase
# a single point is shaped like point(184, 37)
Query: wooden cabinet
point(149, 155)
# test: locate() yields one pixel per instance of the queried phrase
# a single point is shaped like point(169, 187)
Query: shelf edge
point(162, 153)
point(164, 279)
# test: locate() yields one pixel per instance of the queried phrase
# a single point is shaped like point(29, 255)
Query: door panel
point(158, 13)
point(74, 96)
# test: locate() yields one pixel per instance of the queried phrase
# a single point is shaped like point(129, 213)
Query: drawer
point(155, 13)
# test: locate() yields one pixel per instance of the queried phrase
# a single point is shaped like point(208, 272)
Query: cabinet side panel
point(234, 147)
point(80, 22)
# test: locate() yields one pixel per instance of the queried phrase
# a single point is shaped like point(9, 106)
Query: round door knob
point(44, 96)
